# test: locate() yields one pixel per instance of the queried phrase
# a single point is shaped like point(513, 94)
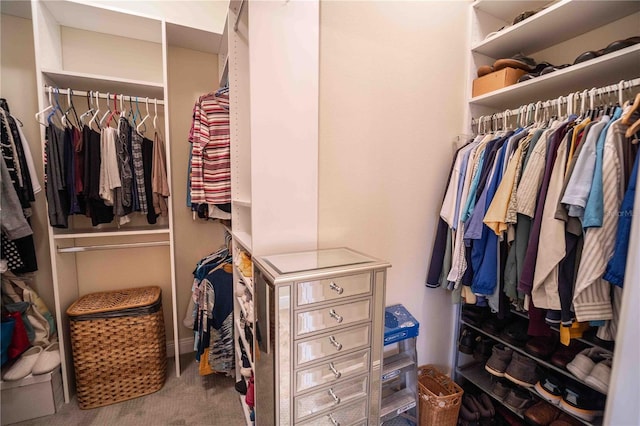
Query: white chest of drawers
point(319, 338)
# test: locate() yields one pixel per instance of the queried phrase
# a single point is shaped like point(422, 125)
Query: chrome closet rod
point(624, 84)
point(112, 246)
point(102, 95)
point(235, 26)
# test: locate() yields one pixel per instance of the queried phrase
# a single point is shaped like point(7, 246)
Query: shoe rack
point(474, 371)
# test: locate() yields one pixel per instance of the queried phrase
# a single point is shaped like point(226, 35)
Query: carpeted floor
point(188, 400)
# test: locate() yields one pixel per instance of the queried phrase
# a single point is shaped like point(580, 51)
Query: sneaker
point(499, 360)
point(565, 354)
point(522, 370)
point(585, 361)
point(483, 348)
point(582, 402)
point(600, 376)
point(501, 388)
point(541, 413)
point(518, 399)
point(550, 388)
point(467, 341)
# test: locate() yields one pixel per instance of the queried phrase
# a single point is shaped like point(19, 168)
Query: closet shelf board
point(555, 24)
point(508, 10)
point(241, 203)
point(102, 83)
point(106, 20)
point(193, 38)
point(67, 234)
point(540, 361)
point(606, 70)
point(244, 239)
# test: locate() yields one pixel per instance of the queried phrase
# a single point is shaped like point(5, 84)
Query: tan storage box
point(118, 345)
point(496, 80)
point(31, 397)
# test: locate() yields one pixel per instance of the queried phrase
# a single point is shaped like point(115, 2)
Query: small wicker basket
point(118, 345)
point(440, 398)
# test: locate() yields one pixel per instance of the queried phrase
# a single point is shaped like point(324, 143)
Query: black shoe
point(516, 333)
point(241, 387)
point(467, 341)
point(483, 348)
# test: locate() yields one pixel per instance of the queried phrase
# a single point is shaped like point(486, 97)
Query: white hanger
point(155, 113)
point(104, 117)
point(145, 117)
point(44, 110)
point(95, 115)
point(89, 111)
point(123, 108)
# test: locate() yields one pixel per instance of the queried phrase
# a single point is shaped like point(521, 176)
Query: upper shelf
point(557, 23)
point(85, 81)
point(605, 70)
point(66, 234)
point(193, 38)
point(507, 10)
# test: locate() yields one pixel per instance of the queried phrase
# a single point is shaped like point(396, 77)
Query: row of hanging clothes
point(19, 185)
point(210, 310)
point(101, 164)
point(537, 217)
point(209, 171)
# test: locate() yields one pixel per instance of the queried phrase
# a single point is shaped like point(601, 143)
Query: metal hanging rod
point(112, 246)
point(569, 99)
point(102, 95)
point(235, 26)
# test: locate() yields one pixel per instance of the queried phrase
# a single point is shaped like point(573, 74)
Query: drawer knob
point(335, 287)
point(333, 421)
point(334, 396)
point(335, 343)
point(333, 314)
point(335, 372)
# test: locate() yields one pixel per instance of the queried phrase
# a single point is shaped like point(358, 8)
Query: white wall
point(391, 102)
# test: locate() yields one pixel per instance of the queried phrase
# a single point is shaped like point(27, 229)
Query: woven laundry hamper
point(118, 345)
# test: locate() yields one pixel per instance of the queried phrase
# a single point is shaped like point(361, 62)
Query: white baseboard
point(185, 346)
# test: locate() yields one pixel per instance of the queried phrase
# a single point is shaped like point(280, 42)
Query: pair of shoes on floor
point(476, 408)
point(574, 398)
point(593, 366)
point(35, 360)
point(513, 366)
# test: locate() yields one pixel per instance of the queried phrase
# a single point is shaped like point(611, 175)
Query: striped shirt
point(210, 152)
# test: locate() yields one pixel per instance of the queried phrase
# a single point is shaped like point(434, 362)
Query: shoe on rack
point(582, 402)
point(516, 333)
point(24, 365)
point(565, 354)
point(518, 399)
point(518, 61)
point(501, 388)
point(48, 360)
point(474, 315)
point(522, 370)
point(499, 360)
point(541, 414)
point(550, 388)
point(241, 387)
point(566, 420)
point(467, 341)
point(483, 348)
point(542, 346)
point(600, 376)
point(494, 325)
point(586, 360)
point(484, 70)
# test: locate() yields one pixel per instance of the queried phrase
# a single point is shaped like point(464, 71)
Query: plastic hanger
point(40, 113)
point(56, 107)
point(89, 107)
point(142, 122)
point(155, 114)
point(115, 108)
point(123, 112)
point(71, 108)
point(108, 113)
point(626, 117)
point(97, 112)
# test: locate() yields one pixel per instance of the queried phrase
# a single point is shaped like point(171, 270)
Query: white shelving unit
point(562, 28)
point(63, 32)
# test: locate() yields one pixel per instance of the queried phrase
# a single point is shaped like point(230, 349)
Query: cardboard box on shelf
point(496, 80)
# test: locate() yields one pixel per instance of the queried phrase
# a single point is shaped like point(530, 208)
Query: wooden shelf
point(67, 234)
point(193, 38)
point(102, 83)
point(560, 21)
point(605, 70)
point(241, 203)
point(506, 11)
point(244, 239)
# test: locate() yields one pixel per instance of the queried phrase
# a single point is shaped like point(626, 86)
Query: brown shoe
point(522, 370)
point(518, 399)
point(499, 360)
point(541, 346)
point(541, 413)
point(565, 420)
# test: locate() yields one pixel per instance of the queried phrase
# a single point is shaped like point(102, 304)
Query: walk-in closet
point(208, 208)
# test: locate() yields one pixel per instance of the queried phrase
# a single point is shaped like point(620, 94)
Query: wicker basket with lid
point(118, 345)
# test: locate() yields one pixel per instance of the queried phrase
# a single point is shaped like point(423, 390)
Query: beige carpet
point(190, 399)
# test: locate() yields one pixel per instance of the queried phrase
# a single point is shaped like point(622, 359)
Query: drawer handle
point(335, 343)
point(334, 396)
point(333, 314)
point(335, 287)
point(333, 421)
point(334, 371)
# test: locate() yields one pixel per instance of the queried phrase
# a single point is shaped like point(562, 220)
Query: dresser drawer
point(332, 370)
point(332, 289)
point(332, 344)
point(332, 317)
point(331, 398)
point(354, 414)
